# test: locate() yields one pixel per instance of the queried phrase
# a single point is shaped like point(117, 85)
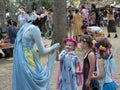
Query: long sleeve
point(36, 34)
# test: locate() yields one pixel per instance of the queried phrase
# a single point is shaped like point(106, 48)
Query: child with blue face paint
point(69, 66)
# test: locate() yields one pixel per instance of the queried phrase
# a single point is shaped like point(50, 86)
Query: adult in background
point(94, 16)
point(85, 13)
point(11, 31)
point(49, 24)
point(28, 73)
point(111, 27)
point(77, 23)
point(23, 16)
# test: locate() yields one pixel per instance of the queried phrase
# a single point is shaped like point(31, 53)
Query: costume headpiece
point(34, 16)
point(97, 45)
point(70, 40)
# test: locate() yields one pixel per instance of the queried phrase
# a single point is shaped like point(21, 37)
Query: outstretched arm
point(36, 34)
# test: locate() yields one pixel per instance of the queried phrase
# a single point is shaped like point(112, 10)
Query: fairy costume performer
point(28, 73)
point(69, 66)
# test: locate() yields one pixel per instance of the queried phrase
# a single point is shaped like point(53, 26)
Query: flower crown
point(97, 45)
point(70, 40)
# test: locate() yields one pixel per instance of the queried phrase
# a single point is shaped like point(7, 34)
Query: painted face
point(69, 46)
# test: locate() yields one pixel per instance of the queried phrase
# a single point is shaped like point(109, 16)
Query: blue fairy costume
point(66, 76)
point(109, 70)
point(28, 73)
point(107, 83)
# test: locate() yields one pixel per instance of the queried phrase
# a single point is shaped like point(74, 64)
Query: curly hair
point(105, 43)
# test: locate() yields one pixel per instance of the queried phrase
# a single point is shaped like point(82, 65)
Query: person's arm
point(36, 34)
point(91, 58)
point(57, 56)
point(101, 70)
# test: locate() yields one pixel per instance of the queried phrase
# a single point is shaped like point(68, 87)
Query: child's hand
point(94, 74)
point(78, 73)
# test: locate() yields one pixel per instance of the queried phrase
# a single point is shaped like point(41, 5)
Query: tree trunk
point(12, 12)
point(60, 24)
point(2, 14)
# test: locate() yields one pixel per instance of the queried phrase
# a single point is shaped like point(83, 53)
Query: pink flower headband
point(70, 40)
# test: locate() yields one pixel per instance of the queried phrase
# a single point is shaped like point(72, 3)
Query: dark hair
point(76, 10)
point(11, 22)
point(88, 39)
point(105, 43)
point(93, 6)
point(22, 7)
point(83, 6)
point(51, 10)
point(83, 27)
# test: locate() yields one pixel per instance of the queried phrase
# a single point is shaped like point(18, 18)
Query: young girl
point(69, 66)
point(108, 65)
point(89, 61)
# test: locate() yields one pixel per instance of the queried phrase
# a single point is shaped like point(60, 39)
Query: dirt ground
point(6, 65)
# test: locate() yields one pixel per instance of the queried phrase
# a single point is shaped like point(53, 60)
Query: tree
point(60, 24)
point(117, 1)
point(2, 14)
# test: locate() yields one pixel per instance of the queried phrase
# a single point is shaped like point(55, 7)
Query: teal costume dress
point(28, 73)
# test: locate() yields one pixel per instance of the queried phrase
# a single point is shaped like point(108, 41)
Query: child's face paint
point(69, 46)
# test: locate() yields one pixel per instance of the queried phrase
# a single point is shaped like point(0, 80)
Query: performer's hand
point(56, 46)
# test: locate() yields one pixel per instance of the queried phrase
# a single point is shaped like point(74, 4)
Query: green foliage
point(47, 3)
point(6, 4)
point(83, 2)
point(117, 1)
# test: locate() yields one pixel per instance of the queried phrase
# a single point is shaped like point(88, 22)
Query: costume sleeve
point(36, 35)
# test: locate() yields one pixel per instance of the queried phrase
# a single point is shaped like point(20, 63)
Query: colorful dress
point(28, 73)
point(107, 83)
point(66, 78)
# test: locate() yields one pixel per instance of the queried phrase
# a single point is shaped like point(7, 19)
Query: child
point(69, 66)
point(99, 74)
point(89, 62)
point(95, 31)
point(103, 45)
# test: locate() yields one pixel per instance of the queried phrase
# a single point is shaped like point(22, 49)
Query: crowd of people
point(98, 67)
point(93, 17)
